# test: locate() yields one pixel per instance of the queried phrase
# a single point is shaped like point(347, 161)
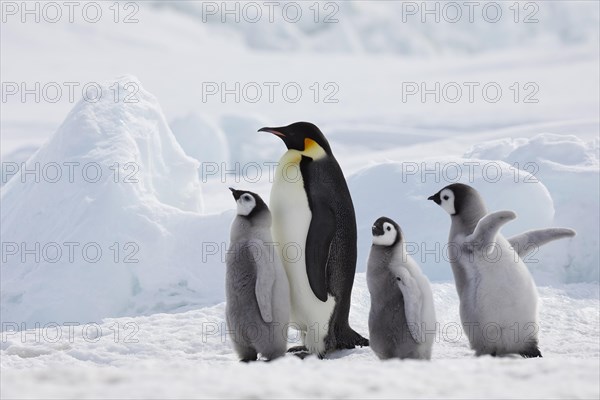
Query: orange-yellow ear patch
point(309, 143)
point(313, 150)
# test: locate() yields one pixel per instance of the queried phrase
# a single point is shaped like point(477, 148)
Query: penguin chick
point(257, 289)
point(498, 298)
point(402, 317)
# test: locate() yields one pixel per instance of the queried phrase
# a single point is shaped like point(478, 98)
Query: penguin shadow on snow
point(302, 352)
point(339, 354)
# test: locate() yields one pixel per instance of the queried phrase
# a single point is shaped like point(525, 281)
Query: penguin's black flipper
point(320, 234)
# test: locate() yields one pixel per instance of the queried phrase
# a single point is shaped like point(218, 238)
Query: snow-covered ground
point(160, 210)
point(187, 355)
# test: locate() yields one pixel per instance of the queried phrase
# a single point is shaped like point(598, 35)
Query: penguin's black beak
point(236, 193)
point(377, 230)
point(436, 198)
point(274, 131)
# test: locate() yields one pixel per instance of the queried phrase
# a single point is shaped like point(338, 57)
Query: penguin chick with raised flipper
point(402, 317)
point(498, 298)
point(257, 289)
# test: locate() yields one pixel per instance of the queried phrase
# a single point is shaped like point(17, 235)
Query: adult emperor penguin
point(257, 290)
point(315, 226)
point(402, 316)
point(498, 298)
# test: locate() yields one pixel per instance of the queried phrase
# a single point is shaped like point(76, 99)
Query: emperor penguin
point(402, 316)
point(315, 226)
point(498, 298)
point(257, 289)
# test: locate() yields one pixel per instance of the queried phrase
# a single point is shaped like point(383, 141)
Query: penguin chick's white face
point(447, 201)
point(388, 237)
point(245, 204)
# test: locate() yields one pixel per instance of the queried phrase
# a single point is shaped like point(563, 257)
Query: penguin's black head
point(456, 197)
point(249, 204)
point(386, 232)
point(300, 136)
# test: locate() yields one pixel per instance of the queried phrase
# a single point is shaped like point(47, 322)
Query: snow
point(11, 162)
point(187, 355)
point(569, 167)
point(179, 211)
point(201, 138)
point(131, 243)
point(397, 27)
point(400, 191)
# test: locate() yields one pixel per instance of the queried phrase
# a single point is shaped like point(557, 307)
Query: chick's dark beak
point(377, 230)
point(436, 198)
point(236, 193)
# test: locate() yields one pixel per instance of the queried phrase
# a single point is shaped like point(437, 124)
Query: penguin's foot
point(350, 339)
point(247, 360)
point(302, 354)
point(298, 349)
point(532, 352)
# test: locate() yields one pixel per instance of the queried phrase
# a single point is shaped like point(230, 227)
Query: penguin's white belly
point(291, 221)
point(499, 300)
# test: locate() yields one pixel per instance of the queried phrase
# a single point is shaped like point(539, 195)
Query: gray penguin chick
point(257, 288)
point(402, 316)
point(498, 297)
